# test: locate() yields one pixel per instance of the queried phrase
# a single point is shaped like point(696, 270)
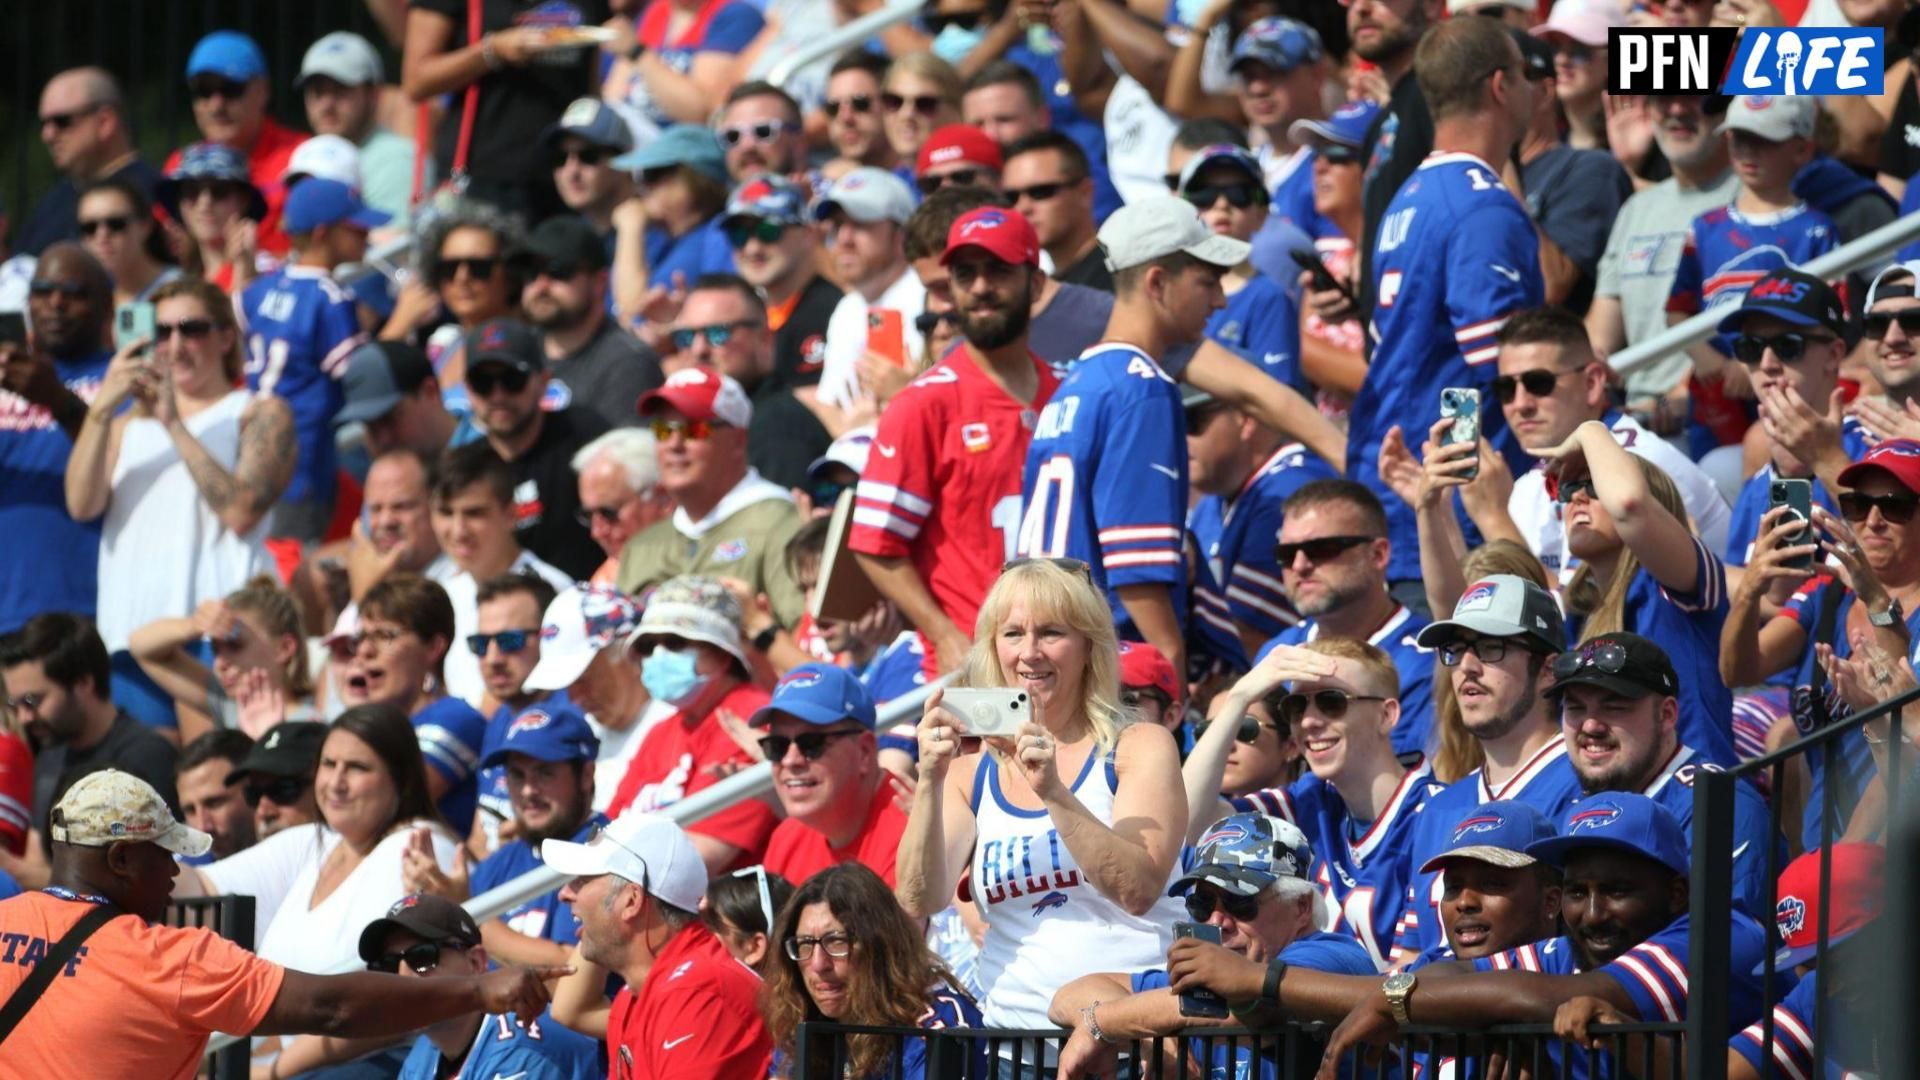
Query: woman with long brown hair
point(848, 954)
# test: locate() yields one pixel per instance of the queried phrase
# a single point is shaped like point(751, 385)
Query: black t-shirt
point(1090, 271)
point(546, 494)
point(800, 345)
point(1399, 140)
point(130, 746)
point(785, 437)
point(516, 103)
point(1900, 146)
point(53, 217)
point(607, 375)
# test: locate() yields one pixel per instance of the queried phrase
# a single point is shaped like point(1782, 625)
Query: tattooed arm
point(242, 497)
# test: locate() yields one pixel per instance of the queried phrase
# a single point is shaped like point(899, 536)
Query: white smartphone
point(989, 710)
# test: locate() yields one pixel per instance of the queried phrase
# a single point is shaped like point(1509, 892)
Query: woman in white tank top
point(1073, 827)
point(186, 476)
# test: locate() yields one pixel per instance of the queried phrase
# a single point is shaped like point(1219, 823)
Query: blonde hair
point(1381, 673)
point(1456, 751)
point(925, 65)
point(1605, 604)
point(219, 308)
point(264, 599)
point(1052, 591)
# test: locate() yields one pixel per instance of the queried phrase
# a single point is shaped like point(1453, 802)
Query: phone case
point(887, 335)
point(1462, 405)
point(989, 710)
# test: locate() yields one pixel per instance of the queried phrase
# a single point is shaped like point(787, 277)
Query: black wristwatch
point(764, 640)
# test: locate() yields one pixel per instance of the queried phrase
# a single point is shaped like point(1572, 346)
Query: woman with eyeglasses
point(259, 649)
point(465, 274)
point(849, 955)
point(115, 221)
point(315, 887)
point(741, 910)
point(1072, 825)
point(211, 193)
point(919, 96)
point(183, 479)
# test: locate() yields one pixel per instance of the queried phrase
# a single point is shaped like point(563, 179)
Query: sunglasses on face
point(924, 104)
point(608, 515)
point(1607, 657)
point(483, 381)
point(717, 335)
point(1332, 704)
point(960, 177)
point(658, 175)
point(839, 945)
point(511, 641)
point(1897, 509)
point(1567, 489)
point(1202, 903)
point(192, 191)
point(1751, 349)
point(283, 792)
point(1038, 192)
point(745, 229)
point(65, 120)
point(965, 20)
point(1240, 196)
point(421, 956)
point(1539, 383)
point(553, 269)
point(1249, 730)
point(1133, 698)
point(1878, 325)
point(1339, 155)
point(764, 131)
point(690, 430)
point(116, 224)
point(43, 287)
point(1319, 549)
point(190, 329)
point(202, 89)
point(812, 744)
point(859, 103)
point(585, 155)
point(927, 321)
point(476, 268)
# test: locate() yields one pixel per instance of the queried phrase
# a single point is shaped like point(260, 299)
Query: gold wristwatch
point(1398, 987)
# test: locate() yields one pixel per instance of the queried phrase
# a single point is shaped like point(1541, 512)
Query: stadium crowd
point(1219, 388)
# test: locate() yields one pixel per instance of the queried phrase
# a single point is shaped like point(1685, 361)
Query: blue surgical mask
point(953, 43)
point(671, 675)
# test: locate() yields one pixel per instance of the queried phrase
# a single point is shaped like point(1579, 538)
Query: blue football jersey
point(1753, 502)
point(1106, 477)
point(505, 1048)
point(1261, 325)
point(1753, 830)
point(1728, 251)
point(544, 916)
point(1237, 538)
point(1455, 256)
point(451, 733)
point(1396, 637)
point(1848, 1042)
point(300, 326)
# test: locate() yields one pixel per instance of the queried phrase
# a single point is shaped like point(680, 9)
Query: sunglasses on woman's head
point(1330, 703)
point(511, 641)
point(924, 104)
point(1317, 550)
point(1071, 566)
point(116, 223)
point(283, 791)
point(812, 744)
point(1751, 349)
point(1897, 508)
point(484, 380)
point(859, 103)
point(1202, 903)
point(1239, 196)
point(421, 956)
point(1876, 326)
point(477, 267)
point(1249, 730)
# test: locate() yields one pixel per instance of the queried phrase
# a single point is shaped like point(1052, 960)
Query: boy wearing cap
point(776, 250)
point(301, 326)
point(227, 81)
point(688, 1008)
point(863, 219)
point(340, 81)
point(1249, 880)
point(840, 804)
point(593, 361)
point(1261, 319)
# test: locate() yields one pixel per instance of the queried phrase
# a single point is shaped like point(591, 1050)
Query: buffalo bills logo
point(1478, 596)
point(693, 376)
point(1594, 817)
point(1049, 902)
point(1482, 823)
point(1227, 832)
point(799, 680)
point(1901, 448)
point(493, 336)
point(1790, 914)
point(754, 192)
point(402, 904)
point(1783, 290)
point(549, 631)
point(531, 720)
point(985, 219)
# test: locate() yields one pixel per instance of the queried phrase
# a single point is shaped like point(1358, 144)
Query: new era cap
point(646, 849)
point(425, 916)
point(1497, 833)
point(1144, 667)
point(700, 394)
point(1280, 43)
point(505, 341)
point(1856, 895)
point(956, 143)
point(1775, 119)
point(1002, 233)
point(229, 54)
point(593, 120)
point(1346, 127)
point(1620, 663)
point(111, 806)
point(768, 197)
point(575, 627)
point(1245, 853)
point(549, 732)
point(289, 750)
point(1899, 458)
point(867, 195)
point(1794, 297)
point(379, 375)
point(344, 57)
point(1617, 819)
point(316, 202)
point(819, 694)
point(1159, 225)
point(1502, 606)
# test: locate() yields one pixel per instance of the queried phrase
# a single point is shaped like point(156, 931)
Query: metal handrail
point(1845, 259)
point(845, 37)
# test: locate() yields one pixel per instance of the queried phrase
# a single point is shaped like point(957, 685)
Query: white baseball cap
point(1155, 227)
point(1775, 119)
point(576, 626)
point(646, 849)
point(110, 806)
point(346, 58)
point(324, 157)
point(867, 194)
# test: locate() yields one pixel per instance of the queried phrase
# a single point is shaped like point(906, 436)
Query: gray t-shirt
point(1075, 320)
point(1638, 267)
point(607, 375)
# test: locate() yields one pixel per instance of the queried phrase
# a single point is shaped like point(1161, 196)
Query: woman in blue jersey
point(1643, 570)
point(847, 954)
point(1072, 827)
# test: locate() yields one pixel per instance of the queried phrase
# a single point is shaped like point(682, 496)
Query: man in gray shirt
point(595, 364)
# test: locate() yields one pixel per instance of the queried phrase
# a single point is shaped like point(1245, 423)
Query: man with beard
point(212, 797)
point(941, 493)
point(1497, 651)
point(596, 364)
point(1385, 33)
point(1623, 901)
point(506, 378)
point(776, 250)
point(50, 562)
point(1636, 271)
point(340, 82)
point(760, 128)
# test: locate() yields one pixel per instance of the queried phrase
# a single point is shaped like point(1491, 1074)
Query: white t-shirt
point(462, 667)
point(1139, 134)
point(617, 749)
point(847, 335)
point(1537, 516)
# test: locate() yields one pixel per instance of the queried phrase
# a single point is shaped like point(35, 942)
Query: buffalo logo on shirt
point(1790, 914)
point(1598, 816)
point(1479, 824)
point(731, 551)
point(531, 720)
point(1049, 902)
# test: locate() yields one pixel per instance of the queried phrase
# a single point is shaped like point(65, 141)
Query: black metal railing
point(232, 918)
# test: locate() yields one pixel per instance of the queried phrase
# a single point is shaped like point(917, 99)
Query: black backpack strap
point(41, 977)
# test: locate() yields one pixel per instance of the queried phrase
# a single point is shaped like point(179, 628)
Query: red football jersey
point(677, 758)
point(942, 483)
point(695, 1018)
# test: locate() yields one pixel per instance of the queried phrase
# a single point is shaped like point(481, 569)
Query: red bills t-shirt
point(677, 758)
point(797, 852)
point(942, 483)
point(695, 1018)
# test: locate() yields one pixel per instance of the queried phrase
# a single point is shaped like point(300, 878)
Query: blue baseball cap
point(1280, 43)
point(1496, 833)
point(1245, 853)
point(229, 54)
point(554, 731)
point(682, 144)
point(1618, 819)
point(769, 197)
point(1346, 127)
point(314, 202)
point(1223, 154)
point(1793, 297)
point(209, 161)
point(820, 694)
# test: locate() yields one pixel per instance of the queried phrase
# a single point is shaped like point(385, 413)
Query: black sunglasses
point(484, 380)
point(115, 224)
point(1248, 733)
point(927, 321)
point(962, 177)
point(1876, 326)
point(204, 88)
point(1335, 154)
point(1039, 192)
point(812, 744)
point(1567, 489)
point(1132, 697)
point(745, 229)
point(191, 329)
point(860, 103)
point(1897, 509)
point(924, 104)
point(1750, 349)
point(608, 514)
point(511, 641)
point(192, 191)
point(421, 956)
point(586, 155)
point(659, 174)
point(72, 290)
point(65, 120)
point(1240, 196)
point(477, 267)
point(1606, 657)
point(1319, 549)
point(1330, 703)
point(284, 791)
point(1539, 383)
point(553, 269)
point(1201, 904)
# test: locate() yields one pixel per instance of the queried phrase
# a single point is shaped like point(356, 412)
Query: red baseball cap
point(999, 232)
point(701, 393)
point(1898, 457)
point(958, 142)
point(1856, 894)
point(1142, 667)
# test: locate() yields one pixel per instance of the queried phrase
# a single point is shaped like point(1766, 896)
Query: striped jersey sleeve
point(1792, 1051)
point(1491, 261)
point(1140, 498)
point(1654, 974)
point(896, 489)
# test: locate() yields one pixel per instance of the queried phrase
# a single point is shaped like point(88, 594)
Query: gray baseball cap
point(1156, 227)
point(379, 374)
point(1502, 606)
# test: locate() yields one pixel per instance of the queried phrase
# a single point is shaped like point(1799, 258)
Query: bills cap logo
point(1594, 817)
point(1784, 290)
point(1477, 597)
point(1480, 823)
point(990, 219)
point(1227, 832)
point(493, 337)
point(531, 720)
point(1790, 914)
point(799, 680)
